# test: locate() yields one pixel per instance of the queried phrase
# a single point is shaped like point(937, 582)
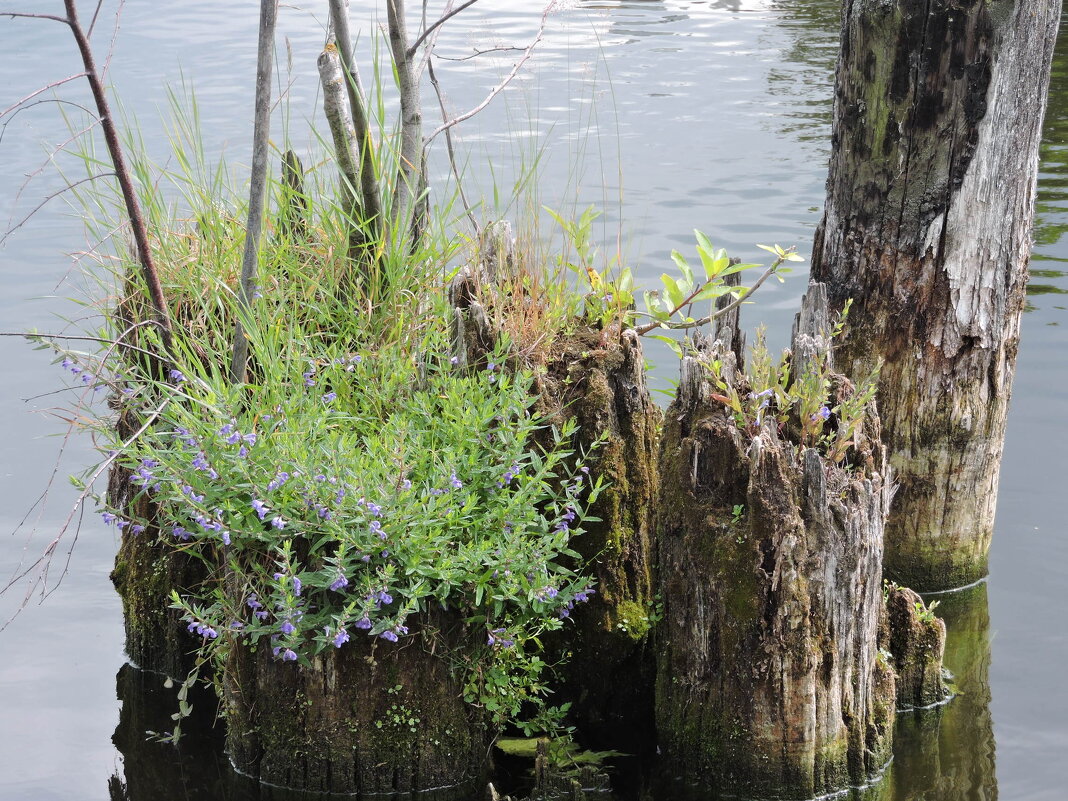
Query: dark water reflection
point(947, 753)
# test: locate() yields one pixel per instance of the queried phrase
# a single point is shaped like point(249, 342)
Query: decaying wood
point(937, 121)
point(769, 678)
point(372, 717)
point(597, 379)
point(916, 642)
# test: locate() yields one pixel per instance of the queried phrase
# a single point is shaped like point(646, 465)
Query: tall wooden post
point(930, 200)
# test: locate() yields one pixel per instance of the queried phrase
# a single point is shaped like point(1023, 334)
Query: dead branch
point(527, 53)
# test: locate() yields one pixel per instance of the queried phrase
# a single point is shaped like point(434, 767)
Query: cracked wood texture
point(769, 680)
point(930, 201)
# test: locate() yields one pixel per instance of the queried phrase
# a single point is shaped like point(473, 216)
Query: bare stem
point(257, 191)
point(126, 184)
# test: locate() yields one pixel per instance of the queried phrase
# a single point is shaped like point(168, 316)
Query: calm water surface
point(667, 115)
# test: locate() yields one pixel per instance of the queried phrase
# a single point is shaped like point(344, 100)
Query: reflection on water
point(947, 753)
point(1048, 270)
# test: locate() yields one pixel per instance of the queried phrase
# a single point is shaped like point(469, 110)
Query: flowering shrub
point(351, 492)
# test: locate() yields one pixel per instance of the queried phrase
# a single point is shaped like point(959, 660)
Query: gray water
point(667, 115)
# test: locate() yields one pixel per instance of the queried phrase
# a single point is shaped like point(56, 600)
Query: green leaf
point(671, 343)
point(674, 293)
point(703, 242)
point(679, 259)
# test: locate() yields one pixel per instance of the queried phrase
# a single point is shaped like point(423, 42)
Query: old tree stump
point(937, 120)
point(769, 679)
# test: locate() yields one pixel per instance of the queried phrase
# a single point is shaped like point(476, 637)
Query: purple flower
point(822, 414)
point(176, 376)
point(363, 623)
point(583, 595)
point(287, 628)
point(250, 438)
point(261, 614)
point(406, 484)
point(278, 481)
point(260, 507)
point(181, 533)
point(309, 381)
point(384, 597)
point(253, 602)
point(456, 483)
point(454, 360)
point(234, 438)
point(388, 635)
point(329, 397)
point(297, 586)
point(341, 638)
point(376, 528)
point(226, 537)
point(288, 655)
point(278, 523)
point(226, 429)
point(109, 518)
point(374, 509)
point(339, 583)
point(137, 528)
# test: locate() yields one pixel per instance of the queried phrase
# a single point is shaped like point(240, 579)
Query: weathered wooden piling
point(930, 201)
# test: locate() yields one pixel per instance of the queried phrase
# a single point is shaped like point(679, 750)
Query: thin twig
point(46, 556)
point(43, 89)
point(28, 106)
point(101, 340)
point(441, 21)
point(477, 53)
point(49, 197)
point(499, 87)
point(451, 151)
point(52, 17)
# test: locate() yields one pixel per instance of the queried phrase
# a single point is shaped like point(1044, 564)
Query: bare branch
point(410, 171)
point(477, 53)
point(441, 21)
point(45, 557)
point(28, 106)
point(53, 17)
point(96, 13)
point(499, 87)
point(49, 197)
point(368, 184)
point(126, 184)
point(43, 89)
point(31, 335)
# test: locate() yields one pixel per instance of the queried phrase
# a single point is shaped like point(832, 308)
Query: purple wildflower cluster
point(203, 629)
point(80, 373)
